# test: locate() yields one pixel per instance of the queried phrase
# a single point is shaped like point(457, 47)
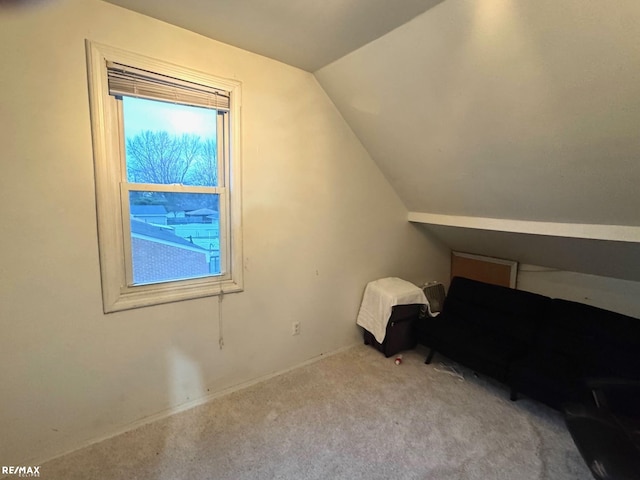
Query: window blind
point(135, 82)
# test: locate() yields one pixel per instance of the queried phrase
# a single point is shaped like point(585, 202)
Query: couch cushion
point(487, 354)
point(549, 377)
point(606, 343)
point(485, 327)
point(509, 312)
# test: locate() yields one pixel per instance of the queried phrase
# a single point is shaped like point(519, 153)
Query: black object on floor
point(606, 428)
point(400, 334)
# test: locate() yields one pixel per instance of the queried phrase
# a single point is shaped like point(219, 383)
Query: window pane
point(168, 143)
point(174, 236)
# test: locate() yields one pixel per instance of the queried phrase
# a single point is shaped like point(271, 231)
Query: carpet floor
point(352, 415)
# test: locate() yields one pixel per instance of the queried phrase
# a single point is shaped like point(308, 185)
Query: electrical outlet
point(295, 328)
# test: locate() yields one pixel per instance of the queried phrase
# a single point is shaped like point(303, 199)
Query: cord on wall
point(220, 331)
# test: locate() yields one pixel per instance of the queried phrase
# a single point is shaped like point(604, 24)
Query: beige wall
point(320, 221)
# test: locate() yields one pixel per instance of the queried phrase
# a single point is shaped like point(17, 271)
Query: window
point(167, 168)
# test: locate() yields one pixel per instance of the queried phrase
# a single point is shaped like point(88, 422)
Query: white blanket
point(380, 296)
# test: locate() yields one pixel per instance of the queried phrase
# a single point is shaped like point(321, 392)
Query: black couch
point(541, 347)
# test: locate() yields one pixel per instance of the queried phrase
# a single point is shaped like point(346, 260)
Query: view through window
point(173, 235)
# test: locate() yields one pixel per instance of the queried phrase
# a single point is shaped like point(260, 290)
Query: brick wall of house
point(156, 262)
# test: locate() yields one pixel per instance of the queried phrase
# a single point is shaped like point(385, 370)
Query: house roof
point(159, 234)
point(148, 210)
point(202, 212)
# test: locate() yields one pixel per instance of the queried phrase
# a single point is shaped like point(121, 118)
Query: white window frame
point(113, 232)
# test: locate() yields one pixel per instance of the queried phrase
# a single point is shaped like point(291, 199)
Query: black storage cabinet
point(400, 334)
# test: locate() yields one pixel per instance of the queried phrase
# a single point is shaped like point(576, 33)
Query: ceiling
point(304, 33)
point(523, 110)
point(595, 257)
point(526, 112)
point(519, 114)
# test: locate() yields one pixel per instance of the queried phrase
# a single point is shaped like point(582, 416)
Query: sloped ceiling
point(523, 110)
point(527, 112)
point(508, 128)
point(305, 33)
point(595, 257)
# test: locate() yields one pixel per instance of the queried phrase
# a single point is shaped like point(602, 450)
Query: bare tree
point(205, 169)
point(161, 158)
point(157, 157)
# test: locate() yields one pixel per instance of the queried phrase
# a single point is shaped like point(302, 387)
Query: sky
point(141, 114)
